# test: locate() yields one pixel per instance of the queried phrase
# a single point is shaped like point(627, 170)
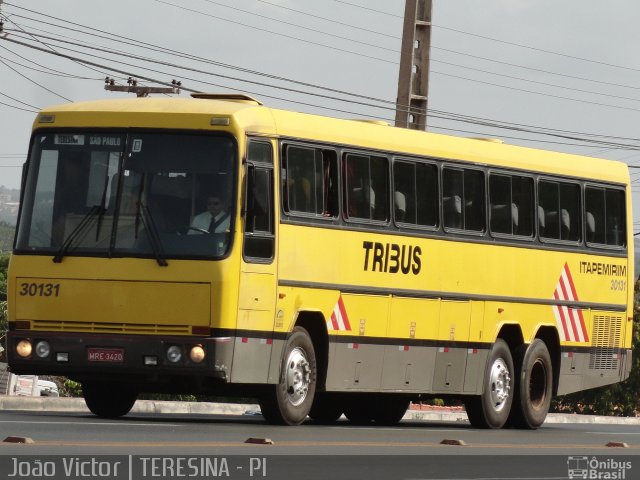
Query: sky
point(568, 67)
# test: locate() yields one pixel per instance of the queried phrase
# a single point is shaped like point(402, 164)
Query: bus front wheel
point(491, 409)
point(108, 401)
point(534, 385)
point(289, 401)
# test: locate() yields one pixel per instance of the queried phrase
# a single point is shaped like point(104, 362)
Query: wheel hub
point(297, 376)
point(500, 384)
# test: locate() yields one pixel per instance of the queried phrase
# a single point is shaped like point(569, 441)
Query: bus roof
point(250, 116)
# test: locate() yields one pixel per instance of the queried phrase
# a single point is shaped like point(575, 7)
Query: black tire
point(492, 408)
point(108, 401)
point(326, 409)
point(289, 401)
point(533, 385)
point(389, 410)
point(359, 409)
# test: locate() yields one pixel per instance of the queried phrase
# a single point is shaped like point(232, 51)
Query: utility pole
point(1, 22)
point(413, 80)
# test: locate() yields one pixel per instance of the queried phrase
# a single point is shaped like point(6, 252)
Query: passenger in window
point(401, 206)
point(214, 220)
point(330, 194)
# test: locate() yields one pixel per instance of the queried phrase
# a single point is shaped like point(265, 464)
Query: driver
point(214, 220)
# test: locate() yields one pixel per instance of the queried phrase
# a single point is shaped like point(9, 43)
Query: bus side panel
point(601, 364)
point(410, 367)
point(358, 361)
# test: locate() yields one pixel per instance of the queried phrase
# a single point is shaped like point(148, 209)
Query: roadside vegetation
point(6, 236)
point(4, 263)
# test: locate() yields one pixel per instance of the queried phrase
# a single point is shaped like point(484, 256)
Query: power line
point(536, 93)
point(442, 73)
point(536, 49)
point(42, 69)
point(367, 8)
point(193, 57)
point(115, 52)
point(506, 42)
point(284, 22)
point(19, 101)
point(331, 20)
point(34, 82)
point(290, 37)
point(146, 59)
point(537, 82)
point(48, 46)
point(459, 118)
point(455, 118)
point(539, 70)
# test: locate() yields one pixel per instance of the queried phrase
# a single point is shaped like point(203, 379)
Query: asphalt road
point(412, 449)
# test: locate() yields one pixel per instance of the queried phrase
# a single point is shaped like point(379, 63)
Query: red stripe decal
point(343, 312)
point(570, 278)
point(564, 290)
point(334, 322)
point(562, 319)
point(584, 326)
point(573, 324)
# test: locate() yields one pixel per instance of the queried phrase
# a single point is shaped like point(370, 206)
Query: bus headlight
point(174, 354)
point(23, 348)
point(43, 349)
point(197, 354)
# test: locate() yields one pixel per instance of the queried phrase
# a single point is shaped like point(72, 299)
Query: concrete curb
point(552, 418)
point(52, 404)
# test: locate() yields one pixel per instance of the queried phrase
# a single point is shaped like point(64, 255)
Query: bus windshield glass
point(156, 195)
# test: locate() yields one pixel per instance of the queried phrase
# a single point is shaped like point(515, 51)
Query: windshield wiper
point(103, 208)
point(75, 233)
point(152, 233)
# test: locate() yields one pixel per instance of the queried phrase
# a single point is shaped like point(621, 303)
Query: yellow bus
point(323, 266)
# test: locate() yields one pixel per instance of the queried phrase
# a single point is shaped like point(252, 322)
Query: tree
point(4, 325)
point(4, 263)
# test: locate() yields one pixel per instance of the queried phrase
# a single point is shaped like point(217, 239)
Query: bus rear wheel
point(492, 408)
point(359, 409)
point(326, 409)
point(389, 410)
point(534, 385)
point(289, 401)
point(108, 401)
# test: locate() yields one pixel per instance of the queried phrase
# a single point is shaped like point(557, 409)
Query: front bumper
point(136, 350)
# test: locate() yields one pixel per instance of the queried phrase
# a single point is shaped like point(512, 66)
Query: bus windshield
point(161, 195)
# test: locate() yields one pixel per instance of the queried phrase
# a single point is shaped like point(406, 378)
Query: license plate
point(113, 355)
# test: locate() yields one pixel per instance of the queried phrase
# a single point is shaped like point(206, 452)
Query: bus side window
point(415, 193)
point(570, 218)
point(259, 238)
point(561, 204)
point(616, 215)
point(522, 206)
point(452, 191)
point(367, 187)
point(310, 181)
point(474, 200)
point(549, 199)
point(463, 199)
point(511, 204)
point(604, 216)
point(331, 206)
